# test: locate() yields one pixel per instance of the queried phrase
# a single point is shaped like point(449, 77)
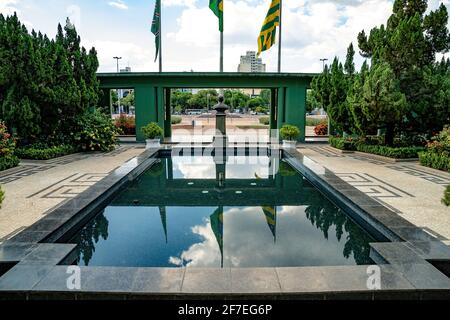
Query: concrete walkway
point(414, 192)
point(35, 187)
point(411, 190)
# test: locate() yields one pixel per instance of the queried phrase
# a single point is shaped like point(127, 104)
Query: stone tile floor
point(407, 188)
point(414, 192)
point(35, 187)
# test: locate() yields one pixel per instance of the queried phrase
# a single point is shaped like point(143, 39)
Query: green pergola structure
point(152, 93)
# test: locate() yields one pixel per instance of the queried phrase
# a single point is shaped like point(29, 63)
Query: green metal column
point(273, 109)
point(168, 114)
point(296, 108)
point(281, 114)
point(145, 108)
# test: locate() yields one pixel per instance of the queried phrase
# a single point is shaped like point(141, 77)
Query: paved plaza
point(35, 187)
point(407, 188)
point(410, 190)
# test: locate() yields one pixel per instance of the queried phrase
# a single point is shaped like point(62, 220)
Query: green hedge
point(313, 122)
point(176, 120)
point(35, 152)
point(2, 196)
point(343, 143)
point(8, 162)
point(435, 160)
point(264, 121)
point(351, 144)
point(390, 152)
point(446, 199)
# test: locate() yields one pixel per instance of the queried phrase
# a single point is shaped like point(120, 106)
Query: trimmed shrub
point(289, 132)
point(127, 124)
point(264, 121)
point(152, 131)
point(391, 152)
point(95, 132)
point(437, 154)
point(44, 152)
point(446, 199)
point(176, 120)
point(8, 162)
point(435, 160)
point(2, 196)
point(321, 129)
point(348, 144)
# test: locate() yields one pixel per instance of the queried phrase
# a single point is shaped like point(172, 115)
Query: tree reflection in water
point(327, 215)
point(89, 236)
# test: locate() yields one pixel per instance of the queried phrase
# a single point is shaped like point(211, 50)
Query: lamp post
point(118, 92)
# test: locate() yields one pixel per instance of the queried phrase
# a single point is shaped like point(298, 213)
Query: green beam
point(153, 100)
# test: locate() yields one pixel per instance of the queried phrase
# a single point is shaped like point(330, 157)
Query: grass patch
point(252, 126)
point(314, 122)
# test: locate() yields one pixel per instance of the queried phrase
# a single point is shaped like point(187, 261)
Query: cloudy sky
point(313, 29)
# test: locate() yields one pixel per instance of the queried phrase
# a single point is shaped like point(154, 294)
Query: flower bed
point(7, 148)
point(437, 154)
point(127, 124)
point(347, 144)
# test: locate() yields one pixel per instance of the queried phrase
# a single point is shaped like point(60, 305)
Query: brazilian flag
point(217, 7)
point(268, 33)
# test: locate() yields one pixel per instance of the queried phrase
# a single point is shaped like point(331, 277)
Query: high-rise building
point(251, 63)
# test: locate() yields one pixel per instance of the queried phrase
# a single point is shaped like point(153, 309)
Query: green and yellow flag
point(268, 33)
point(271, 217)
point(217, 7)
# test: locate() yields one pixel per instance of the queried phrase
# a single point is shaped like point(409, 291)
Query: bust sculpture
point(221, 107)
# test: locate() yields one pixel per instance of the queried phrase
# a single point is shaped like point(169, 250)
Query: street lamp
point(323, 62)
point(117, 58)
point(118, 90)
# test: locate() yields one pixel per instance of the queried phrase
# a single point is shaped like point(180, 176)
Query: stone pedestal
point(220, 139)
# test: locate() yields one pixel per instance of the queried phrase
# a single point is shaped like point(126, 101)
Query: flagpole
point(160, 38)
point(221, 51)
point(279, 40)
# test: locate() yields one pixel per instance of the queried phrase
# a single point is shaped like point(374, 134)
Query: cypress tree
point(409, 45)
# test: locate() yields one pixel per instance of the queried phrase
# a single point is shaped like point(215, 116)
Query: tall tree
point(349, 65)
point(409, 44)
point(382, 103)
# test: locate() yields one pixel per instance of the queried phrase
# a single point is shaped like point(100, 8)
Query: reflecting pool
point(240, 212)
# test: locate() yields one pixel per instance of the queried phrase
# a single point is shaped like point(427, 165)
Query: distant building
point(251, 63)
point(127, 69)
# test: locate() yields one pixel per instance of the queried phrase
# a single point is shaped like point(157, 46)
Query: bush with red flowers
point(321, 129)
point(127, 124)
point(7, 148)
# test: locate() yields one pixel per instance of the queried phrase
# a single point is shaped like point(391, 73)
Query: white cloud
point(181, 3)
point(8, 7)
point(119, 4)
point(312, 30)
